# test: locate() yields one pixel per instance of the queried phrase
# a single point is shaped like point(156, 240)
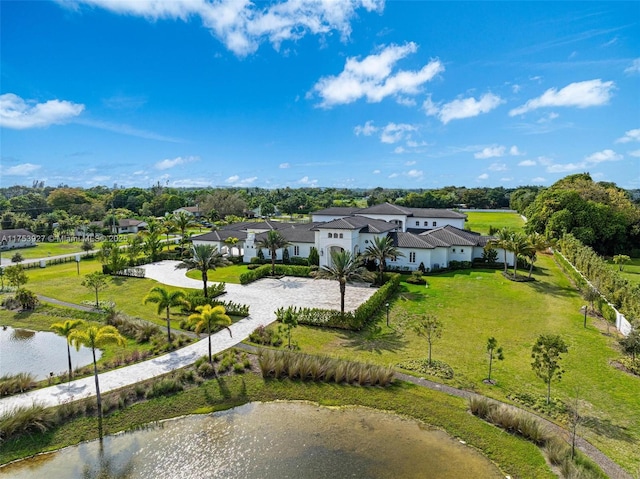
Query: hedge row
point(281, 270)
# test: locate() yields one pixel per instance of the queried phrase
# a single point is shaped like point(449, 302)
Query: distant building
point(194, 211)
point(432, 237)
point(16, 238)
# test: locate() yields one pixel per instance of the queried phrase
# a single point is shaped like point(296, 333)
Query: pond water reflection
point(38, 353)
point(268, 441)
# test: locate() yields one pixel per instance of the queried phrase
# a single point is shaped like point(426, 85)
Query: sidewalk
point(263, 297)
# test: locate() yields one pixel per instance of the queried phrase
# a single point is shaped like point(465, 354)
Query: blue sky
point(318, 93)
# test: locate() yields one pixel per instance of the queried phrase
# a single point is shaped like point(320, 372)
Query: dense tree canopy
point(600, 215)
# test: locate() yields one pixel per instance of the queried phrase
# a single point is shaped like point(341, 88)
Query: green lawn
point(476, 304)
point(631, 270)
point(480, 221)
point(225, 274)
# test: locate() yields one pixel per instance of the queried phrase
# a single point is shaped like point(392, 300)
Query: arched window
point(330, 235)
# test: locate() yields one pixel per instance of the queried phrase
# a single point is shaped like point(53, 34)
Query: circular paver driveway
point(263, 297)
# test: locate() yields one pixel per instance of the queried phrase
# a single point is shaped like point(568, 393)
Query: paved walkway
point(263, 297)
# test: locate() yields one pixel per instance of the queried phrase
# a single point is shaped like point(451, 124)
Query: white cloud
point(580, 94)
point(498, 167)
point(409, 163)
point(634, 67)
point(367, 129)
point(483, 176)
point(635, 153)
point(462, 107)
point(374, 78)
point(307, 182)
point(284, 166)
point(167, 163)
point(393, 175)
point(538, 179)
point(376, 172)
point(393, 133)
point(415, 173)
point(235, 180)
point(23, 169)
point(604, 155)
point(405, 101)
point(528, 163)
point(548, 118)
point(516, 88)
point(631, 135)
point(496, 151)
point(242, 25)
point(588, 162)
point(191, 183)
point(399, 149)
point(21, 114)
point(490, 152)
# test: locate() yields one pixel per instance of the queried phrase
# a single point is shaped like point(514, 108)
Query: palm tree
point(166, 300)
point(211, 316)
point(343, 268)
point(231, 241)
point(520, 246)
point(503, 241)
point(168, 227)
point(537, 242)
point(205, 257)
point(183, 221)
point(96, 337)
point(65, 329)
point(381, 250)
point(273, 241)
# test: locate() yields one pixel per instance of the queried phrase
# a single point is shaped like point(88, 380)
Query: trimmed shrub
point(26, 419)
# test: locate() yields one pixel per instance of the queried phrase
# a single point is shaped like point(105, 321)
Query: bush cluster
point(437, 368)
point(266, 336)
point(280, 269)
point(138, 329)
point(305, 367)
point(618, 290)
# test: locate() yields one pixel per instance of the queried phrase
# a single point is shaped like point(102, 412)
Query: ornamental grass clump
point(35, 418)
point(16, 383)
point(305, 367)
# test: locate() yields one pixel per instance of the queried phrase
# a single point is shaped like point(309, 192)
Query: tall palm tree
point(343, 268)
point(503, 241)
point(168, 227)
point(520, 246)
point(183, 221)
point(65, 329)
point(273, 241)
point(207, 317)
point(205, 257)
point(96, 337)
point(537, 242)
point(381, 250)
point(166, 300)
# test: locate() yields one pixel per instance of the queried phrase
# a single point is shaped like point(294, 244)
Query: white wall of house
point(427, 223)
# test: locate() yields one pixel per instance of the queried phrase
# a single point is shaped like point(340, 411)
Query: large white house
point(426, 236)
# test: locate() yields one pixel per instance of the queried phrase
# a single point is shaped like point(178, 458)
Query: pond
point(269, 441)
point(38, 353)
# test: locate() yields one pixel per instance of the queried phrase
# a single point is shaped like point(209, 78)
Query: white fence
point(622, 324)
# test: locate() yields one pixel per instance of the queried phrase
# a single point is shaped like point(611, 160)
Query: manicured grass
point(480, 221)
point(515, 456)
point(631, 270)
point(63, 283)
point(225, 274)
point(477, 304)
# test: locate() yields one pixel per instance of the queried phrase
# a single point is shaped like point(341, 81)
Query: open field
point(631, 270)
point(477, 304)
point(480, 221)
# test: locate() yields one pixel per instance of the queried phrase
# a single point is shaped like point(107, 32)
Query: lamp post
point(387, 305)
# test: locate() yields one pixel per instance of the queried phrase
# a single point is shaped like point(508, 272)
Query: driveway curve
point(264, 297)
